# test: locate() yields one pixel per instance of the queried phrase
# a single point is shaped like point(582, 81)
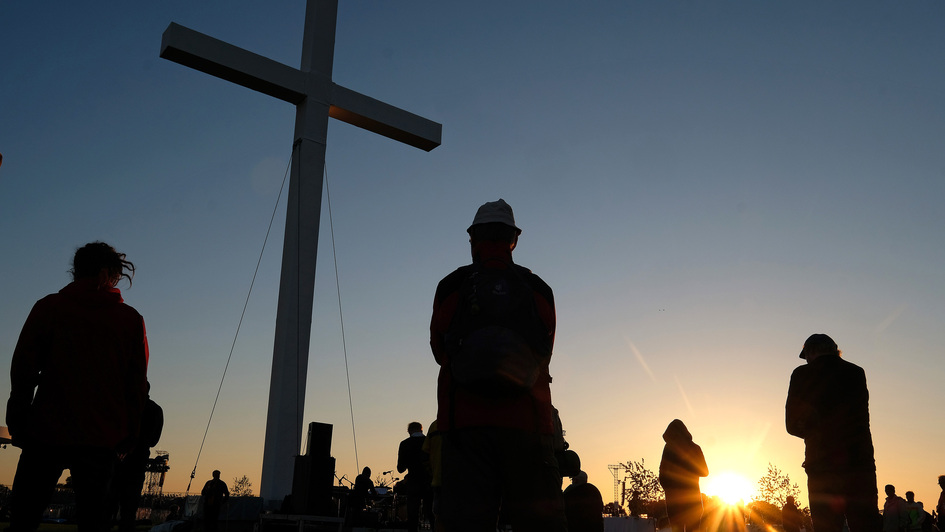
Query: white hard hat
point(495, 211)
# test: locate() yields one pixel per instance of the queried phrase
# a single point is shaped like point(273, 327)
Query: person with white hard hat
point(492, 333)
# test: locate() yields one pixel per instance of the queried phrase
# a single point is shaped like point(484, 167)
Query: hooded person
point(680, 468)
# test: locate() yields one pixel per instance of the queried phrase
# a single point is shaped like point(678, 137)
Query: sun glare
point(728, 486)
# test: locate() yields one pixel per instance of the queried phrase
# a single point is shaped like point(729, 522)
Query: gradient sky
point(703, 183)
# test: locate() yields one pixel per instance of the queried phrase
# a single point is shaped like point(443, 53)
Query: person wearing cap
point(497, 448)
point(828, 406)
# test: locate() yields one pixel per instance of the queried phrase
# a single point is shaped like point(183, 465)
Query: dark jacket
point(791, 517)
point(214, 493)
point(683, 462)
point(584, 508)
point(828, 406)
point(85, 354)
point(460, 408)
point(680, 468)
point(411, 458)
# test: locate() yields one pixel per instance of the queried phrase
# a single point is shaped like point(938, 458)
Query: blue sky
point(703, 184)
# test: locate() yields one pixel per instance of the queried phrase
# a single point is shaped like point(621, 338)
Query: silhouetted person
point(357, 498)
point(791, 517)
point(828, 406)
point(895, 518)
point(680, 468)
point(130, 470)
point(636, 505)
point(214, 494)
point(79, 383)
point(583, 505)
point(492, 333)
point(433, 447)
point(915, 512)
point(940, 507)
point(411, 458)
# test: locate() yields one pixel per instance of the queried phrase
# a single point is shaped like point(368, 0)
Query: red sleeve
point(137, 390)
point(147, 353)
point(28, 354)
point(25, 369)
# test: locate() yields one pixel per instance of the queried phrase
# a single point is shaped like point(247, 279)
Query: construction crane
point(155, 471)
point(620, 482)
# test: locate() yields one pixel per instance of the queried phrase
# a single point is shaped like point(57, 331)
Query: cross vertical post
point(316, 98)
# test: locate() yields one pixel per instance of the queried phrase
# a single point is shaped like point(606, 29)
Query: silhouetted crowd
point(495, 454)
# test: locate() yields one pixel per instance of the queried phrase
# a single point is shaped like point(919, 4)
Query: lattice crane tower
point(155, 471)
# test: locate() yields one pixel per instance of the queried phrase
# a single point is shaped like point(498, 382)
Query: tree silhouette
point(775, 487)
point(642, 480)
point(242, 487)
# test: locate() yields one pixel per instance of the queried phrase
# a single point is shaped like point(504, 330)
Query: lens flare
point(728, 486)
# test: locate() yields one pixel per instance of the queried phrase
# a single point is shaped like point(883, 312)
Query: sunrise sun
point(728, 486)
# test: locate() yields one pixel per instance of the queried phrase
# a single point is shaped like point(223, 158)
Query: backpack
point(927, 522)
point(152, 423)
point(497, 342)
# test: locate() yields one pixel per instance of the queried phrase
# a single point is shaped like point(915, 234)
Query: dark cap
point(820, 342)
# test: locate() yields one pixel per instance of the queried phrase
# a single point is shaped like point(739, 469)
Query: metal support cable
point(344, 346)
point(238, 326)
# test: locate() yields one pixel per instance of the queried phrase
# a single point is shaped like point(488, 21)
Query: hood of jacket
point(676, 432)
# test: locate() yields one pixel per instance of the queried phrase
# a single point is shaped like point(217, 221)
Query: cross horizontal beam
point(253, 71)
point(232, 63)
point(373, 115)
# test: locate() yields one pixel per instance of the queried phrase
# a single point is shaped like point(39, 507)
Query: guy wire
point(242, 314)
point(344, 346)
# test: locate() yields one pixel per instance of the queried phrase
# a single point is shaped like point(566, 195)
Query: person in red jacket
point(492, 333)
point(78, 387)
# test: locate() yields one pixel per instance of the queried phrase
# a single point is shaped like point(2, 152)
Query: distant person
point(915, 512)
point(636, 504)
point(363, 487)
point(895, 518)
point(791, 517)
point(492, 333)
point(940, 507)
point(130, 469)
point(433, 446)
point(411, 458)
point(680, 468)
point(78, 387)
point(214, 494)
point(828, 406)
point(583, 505)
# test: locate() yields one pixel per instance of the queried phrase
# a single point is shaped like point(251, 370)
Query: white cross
point(316, 98)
